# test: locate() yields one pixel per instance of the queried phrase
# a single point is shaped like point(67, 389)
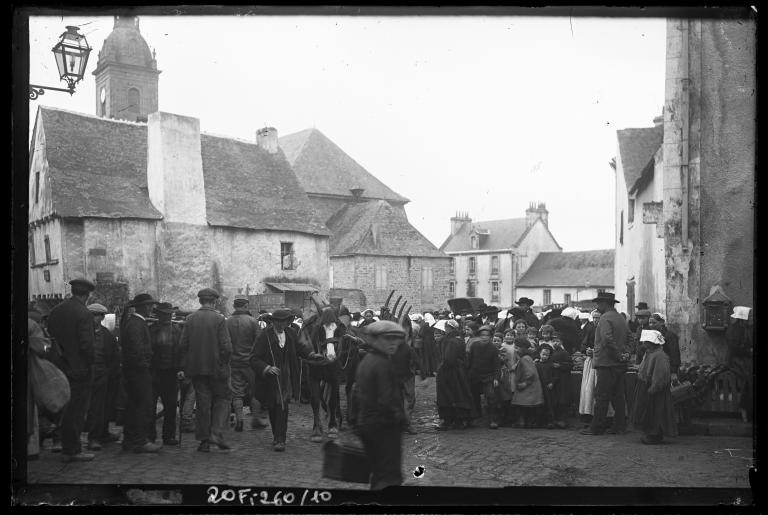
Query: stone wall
point(404, 274)
point(708, 198)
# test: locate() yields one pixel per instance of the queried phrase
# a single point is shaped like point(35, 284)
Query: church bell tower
point(126, 74)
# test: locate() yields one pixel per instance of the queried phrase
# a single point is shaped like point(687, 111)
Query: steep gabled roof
point(98, 168)
point(323, 168)
point(249, 188)
point(637, 148)
point(356, 226)
point(502, 234)
point(570, 269)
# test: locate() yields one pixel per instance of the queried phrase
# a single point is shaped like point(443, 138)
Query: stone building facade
point(374, 248)
point(709, 174)
point(490, 257)
point(639, 272)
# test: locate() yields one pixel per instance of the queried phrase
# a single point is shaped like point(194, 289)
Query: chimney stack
point(266, 138)
point(175, 168)
point(531, 214)
point(457, 221)
point(659, 120)
point(543, 213)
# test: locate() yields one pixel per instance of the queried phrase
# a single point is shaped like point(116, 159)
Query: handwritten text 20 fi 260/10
point(253, 497)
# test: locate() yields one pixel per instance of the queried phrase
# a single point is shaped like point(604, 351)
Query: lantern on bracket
point(71, 54)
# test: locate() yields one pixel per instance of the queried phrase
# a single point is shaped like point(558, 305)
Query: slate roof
point(99, 169)
point(323, 168)
point(502, 234)
point(353, 227)
point(636, 149)
point(574, 269)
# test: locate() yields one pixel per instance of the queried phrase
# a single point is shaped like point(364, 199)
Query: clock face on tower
point(103, 94)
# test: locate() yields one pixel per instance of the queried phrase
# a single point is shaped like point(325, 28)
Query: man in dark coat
point(610, 359)
point(275, 362)
point(137, 359)
point(454, 397)
point(642, 317)
point(243, 331)
point(485, 373)
point(205, 349)
point(106, 357)
point(380, 413)
point(527, 313)
point(164, 368)
point(71, 324)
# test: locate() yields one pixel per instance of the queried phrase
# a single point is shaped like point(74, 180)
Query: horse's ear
point(394, 308)
point(386, 304)
point(400, 314)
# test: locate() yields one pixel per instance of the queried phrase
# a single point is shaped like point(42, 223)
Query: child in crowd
point(547, 377)
point(498, 338)
point(507, 387)
point(562, 364)
point(528, 395)
point(545, 334)
point(533, 338)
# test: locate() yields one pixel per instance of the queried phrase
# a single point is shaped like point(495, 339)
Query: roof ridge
point(93, 116)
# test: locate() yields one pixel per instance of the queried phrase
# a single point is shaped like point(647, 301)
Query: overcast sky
point(478, 114)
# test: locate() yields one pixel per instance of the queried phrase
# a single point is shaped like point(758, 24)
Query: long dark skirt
point(653, 414)
point(454, 397)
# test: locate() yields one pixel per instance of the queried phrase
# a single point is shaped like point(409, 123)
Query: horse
point(324, 375)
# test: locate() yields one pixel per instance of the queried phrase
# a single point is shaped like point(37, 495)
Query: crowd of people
point(513, 370)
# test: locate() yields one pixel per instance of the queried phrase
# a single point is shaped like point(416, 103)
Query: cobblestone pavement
point(476, 457)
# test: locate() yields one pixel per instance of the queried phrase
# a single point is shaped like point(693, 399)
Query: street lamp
point(71, 54)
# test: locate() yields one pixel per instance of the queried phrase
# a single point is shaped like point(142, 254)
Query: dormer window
point(474, 242)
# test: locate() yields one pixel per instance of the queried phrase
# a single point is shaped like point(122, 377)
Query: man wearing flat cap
point(166, 362)
point(243, 331)
point(275, 363)
point(106, 362)
point(381, 415)
point(206, 349)
point(610, 358)
point(71, 324)
point(137, 359)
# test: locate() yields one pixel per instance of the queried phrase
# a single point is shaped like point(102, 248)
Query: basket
point(345, 462)
point(683, 392)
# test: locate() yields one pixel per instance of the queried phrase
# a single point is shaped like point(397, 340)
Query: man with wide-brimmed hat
point(275, 362)
point(527, 313)
point(206, 349)
point(610, 357)
point(166, 362)
point(381, 417)
point(243, 330)
point(71, 324)
point(106, 363)
point(137, 359)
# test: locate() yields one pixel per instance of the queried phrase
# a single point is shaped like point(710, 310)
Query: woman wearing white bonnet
point(652, 409)
point(739, 338)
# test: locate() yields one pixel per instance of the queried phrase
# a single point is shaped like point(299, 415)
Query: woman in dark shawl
point(430, 354)
point(454, 397)
point(652, 411)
